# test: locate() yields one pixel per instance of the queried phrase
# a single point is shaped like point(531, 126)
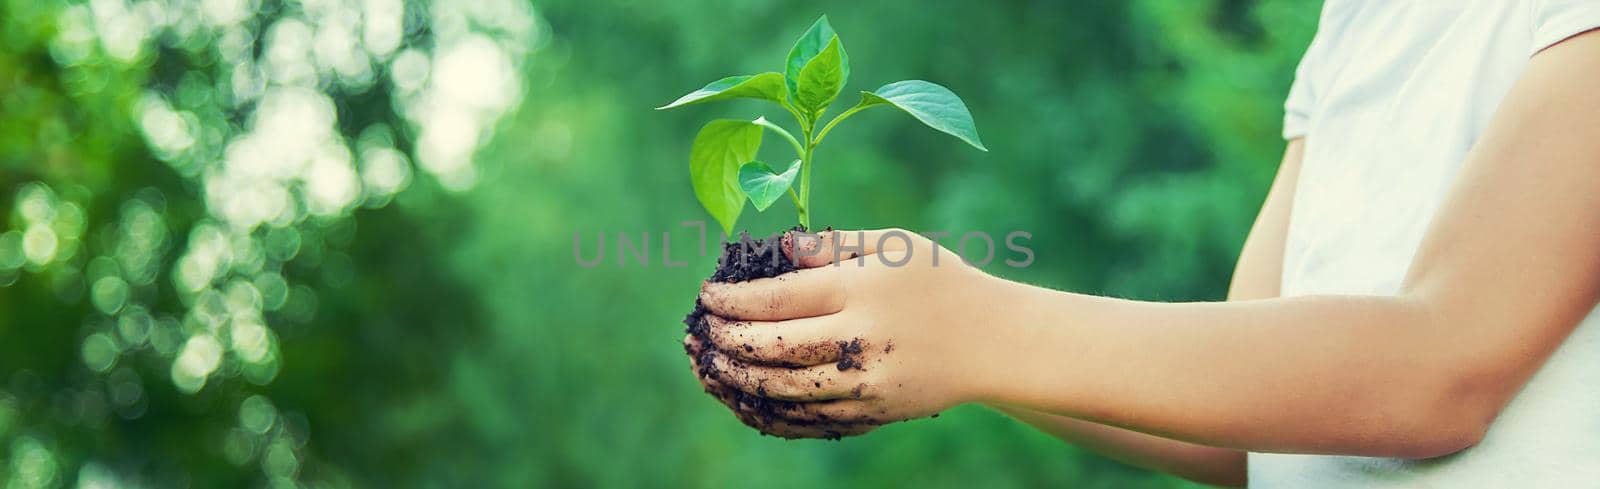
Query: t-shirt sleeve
point(1297, 108)
point(1556, 20)
point(1300, 107)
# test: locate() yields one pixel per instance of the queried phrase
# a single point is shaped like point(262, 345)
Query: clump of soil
point(743, 260)
point(748, 259)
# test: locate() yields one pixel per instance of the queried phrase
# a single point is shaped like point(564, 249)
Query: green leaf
point(714, 159)
point(809, 46)
point(823, 77)
point(935, 106)
point(765, 86)
point(765, 185)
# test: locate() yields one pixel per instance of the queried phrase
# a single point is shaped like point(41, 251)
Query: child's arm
point(1256, 276)
point(1510, 264)
point(1207, 465)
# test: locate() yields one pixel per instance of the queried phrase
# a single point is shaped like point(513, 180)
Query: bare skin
point(1509, 266)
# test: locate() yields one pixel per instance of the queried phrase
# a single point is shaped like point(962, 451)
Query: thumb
point(811, 250)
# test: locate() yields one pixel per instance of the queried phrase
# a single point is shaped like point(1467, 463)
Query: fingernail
point(800, 244)
point(715, 321)
point(810, 242)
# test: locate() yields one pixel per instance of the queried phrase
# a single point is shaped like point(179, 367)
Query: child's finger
point(793, 430)
point(841, 411)
point(803, 293)
point(789, 384)
point(793, 343)
point(811, 250)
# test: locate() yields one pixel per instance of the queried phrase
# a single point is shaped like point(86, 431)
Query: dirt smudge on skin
point(850, 355)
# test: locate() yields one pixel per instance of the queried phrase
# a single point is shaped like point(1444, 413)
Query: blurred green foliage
point(330, 243)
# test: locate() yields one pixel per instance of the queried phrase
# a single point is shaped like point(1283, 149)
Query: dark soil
point(750, 259)
point(850, 356)
point(743, 260)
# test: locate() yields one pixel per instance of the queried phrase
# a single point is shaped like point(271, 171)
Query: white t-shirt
point(1390, 97)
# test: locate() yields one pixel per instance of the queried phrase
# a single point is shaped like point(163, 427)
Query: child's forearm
point(1199, 463)
point(1350, 375)
point(1256, 276)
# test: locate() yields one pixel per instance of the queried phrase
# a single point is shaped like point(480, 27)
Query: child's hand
point(878, 327)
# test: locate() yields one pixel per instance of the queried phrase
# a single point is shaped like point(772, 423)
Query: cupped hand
point(876, 327)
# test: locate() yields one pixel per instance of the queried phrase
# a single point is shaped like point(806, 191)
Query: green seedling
point(722, 162)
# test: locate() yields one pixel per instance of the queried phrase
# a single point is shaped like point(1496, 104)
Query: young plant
point(722, 162)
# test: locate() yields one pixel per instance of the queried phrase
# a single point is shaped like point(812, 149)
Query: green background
point(433, 328)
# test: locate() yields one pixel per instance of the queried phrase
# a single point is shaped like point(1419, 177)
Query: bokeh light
point(254, 126)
